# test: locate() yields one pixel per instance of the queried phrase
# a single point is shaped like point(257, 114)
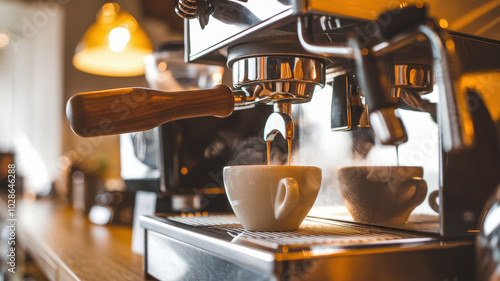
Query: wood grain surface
point(127, 110)
point(67, 246)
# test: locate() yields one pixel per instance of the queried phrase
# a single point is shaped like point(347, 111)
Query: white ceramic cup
point(271, 198)
point(384, 195)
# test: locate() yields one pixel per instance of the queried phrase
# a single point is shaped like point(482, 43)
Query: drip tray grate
point(311, 232)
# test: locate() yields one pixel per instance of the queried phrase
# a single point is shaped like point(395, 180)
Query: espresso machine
point(181, 160)
point(373, 83)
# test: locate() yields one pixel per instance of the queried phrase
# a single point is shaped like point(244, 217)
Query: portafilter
point(261, 74)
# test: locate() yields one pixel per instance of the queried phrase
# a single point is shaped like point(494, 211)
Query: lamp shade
point(114, 45)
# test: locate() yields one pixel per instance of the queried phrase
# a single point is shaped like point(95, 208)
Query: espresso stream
point(289, 142)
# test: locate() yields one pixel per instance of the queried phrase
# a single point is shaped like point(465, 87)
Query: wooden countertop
point(65, 245)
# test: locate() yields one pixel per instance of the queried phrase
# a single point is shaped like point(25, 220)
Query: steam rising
point(379, 174)
point(253, 151)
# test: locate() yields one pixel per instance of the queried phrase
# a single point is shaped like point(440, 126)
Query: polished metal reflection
point(338, 50)
point(218, 247)
point(413, 76)
point(279, 123)
point(455, 120)
point(278, 78)
point(456, 123)
point(488, 241)
point(388, 126)
point(187, 9)
point(283, 107)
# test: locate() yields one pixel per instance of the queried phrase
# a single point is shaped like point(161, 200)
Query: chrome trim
point(187, 9)
point(267, 256)
point(455, 122)
point(387, 126)
point(343, 51)
point(413, 76)
point(278, 123)
point(283, 107)
point(255, 258)
point(278, 78)
point(191, 57)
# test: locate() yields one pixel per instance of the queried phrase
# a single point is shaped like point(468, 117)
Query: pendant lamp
point(114, 45)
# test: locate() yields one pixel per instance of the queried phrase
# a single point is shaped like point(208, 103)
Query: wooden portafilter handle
point(127, 110)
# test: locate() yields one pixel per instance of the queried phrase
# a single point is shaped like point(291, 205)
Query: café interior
point(250, 140)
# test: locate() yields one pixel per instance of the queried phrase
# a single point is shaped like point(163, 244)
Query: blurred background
point(38, 42)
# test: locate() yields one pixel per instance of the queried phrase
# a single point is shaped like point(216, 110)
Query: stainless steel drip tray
point(272, 254)
point(312, 233)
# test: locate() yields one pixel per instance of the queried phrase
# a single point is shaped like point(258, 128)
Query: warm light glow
point(109, 9)
point(4, 39)
point(450, 45)
point(63, 162)
point(298, 73)
point(217, 77)
point(118, 39)
point(114, 184)
point(100, 214)
point(443, 23)
point(162, 66)
point(184, 171)
point(114, 45)
point(486, 83)
point(102, 61)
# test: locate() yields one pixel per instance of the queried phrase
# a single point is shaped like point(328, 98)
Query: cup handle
point(432, 201)
point(287, 197)
point(418, 196)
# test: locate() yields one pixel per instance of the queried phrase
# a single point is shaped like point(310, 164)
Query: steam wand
point(406, 26)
